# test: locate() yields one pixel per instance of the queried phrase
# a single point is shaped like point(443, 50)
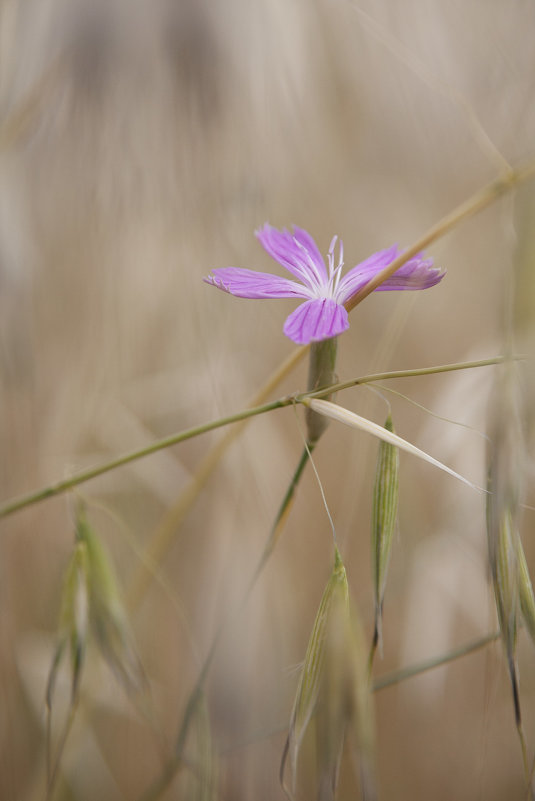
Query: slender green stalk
point(173, 765)
point(389, 680)
point(419, 371)
point(132, 456)
point(174, 439)
point(397, 676)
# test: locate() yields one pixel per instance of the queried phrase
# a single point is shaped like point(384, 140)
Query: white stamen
point(338, 272)
point(332, 245)
point(331, 259)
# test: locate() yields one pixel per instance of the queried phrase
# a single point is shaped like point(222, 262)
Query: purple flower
point(325, 291)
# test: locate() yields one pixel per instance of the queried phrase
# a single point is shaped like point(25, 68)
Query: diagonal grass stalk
point(477, 202)
point(394, 677)
point(60, 487)
point(397, 676)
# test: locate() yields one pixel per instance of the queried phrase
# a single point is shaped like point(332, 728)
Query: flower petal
point(315, 320)
point(417, 273)
point(252, 284)
point(298, 253)
point(360, 275)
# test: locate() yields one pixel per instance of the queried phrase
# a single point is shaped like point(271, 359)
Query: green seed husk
point(344, 704)
point(505, 489)
point(525, 591)
point(90, 603)
point(504, 567)
point(505, 575)
point(310, 680)
point(73, 625)
point(384, 517)
point(73, 634)
point(108, 619)
point(333, 687)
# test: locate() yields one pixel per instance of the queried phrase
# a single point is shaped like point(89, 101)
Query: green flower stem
point(321, 373)
point(174, 439)
point(385, 681)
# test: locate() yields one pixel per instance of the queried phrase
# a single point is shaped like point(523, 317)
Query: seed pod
point(90, 601)
point(311, 674)
point(334, 688)
point(504, 568)
point(74, 618)
point(73, 631)
point(332, 708)
point(108, 618)
point(344, 703)
point(384, 517)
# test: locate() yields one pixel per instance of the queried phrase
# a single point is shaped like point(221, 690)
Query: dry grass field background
point(142, 144)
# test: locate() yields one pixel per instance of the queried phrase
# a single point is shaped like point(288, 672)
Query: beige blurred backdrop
point(142, 145)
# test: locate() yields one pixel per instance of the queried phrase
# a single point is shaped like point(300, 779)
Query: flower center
point(330, 289)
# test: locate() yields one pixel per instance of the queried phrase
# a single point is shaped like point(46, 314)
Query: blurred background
point(142, 143)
